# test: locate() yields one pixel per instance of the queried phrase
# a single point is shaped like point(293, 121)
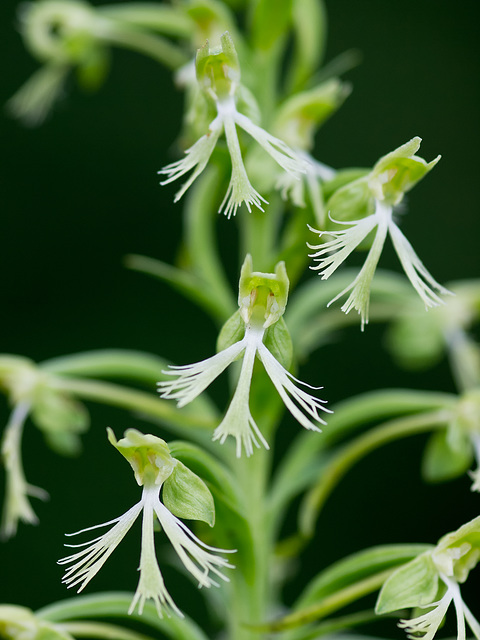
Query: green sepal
point(442, 461)
point(397, 172)
point(262, 296)
point(278, 341)
point(413, 585)
point(187, 496)
point(458, 552)
point(148, 455)
point(218, 69)
point(232, 331)
point(391, 177)
point(270, 21)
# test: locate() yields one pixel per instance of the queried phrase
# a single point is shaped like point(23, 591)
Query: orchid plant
point(251, 115)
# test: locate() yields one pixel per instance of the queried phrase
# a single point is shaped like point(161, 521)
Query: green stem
point(259, 233)
point(359, 448)
point(251, 601)
point(153, 46)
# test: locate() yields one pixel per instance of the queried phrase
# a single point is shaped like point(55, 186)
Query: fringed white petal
point(288, 389)
point(330, 255)
point(359, 299)
point(239, 189)
point(425, 285)
point(276, 148)
point(194, 378)
point(90, 560)
point(238, 421)
point(426, 625)
point(151, 585)
point(196, 556)
point(196, 158)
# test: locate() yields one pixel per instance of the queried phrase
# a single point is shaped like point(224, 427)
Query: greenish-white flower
point(373, 198)
point(262, 300)
point(155, 470)
point(431, 581)
point(218, 73)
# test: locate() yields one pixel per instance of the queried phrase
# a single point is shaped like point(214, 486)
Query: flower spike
point(262, 299)
point(154, 468)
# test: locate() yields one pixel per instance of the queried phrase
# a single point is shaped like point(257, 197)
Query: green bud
point(262, 297)
point(301, 115)
point(415, 584)
point(449, 453)
point(218, 69)
point(148, 456)
point(271, 21)
point(60, 30)
point(211, 18)
point(442, 461)
point(20, 623)
point(187, 496)
point(458, 552)
point(61, 418)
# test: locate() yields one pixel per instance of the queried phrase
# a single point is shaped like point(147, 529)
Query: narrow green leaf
point(116, 605)
point(189, 285)
point(271, 20)
point(357, 567)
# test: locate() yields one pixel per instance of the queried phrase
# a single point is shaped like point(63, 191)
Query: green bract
point(187, 496)
point(416, 584)
point(413, 585)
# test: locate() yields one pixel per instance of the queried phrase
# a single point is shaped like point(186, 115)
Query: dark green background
point(81, 192)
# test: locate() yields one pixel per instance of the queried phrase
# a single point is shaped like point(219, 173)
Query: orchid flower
point(262, 300)
point(154, 468)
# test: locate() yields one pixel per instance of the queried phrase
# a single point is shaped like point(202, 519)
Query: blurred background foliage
point(81, 191)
